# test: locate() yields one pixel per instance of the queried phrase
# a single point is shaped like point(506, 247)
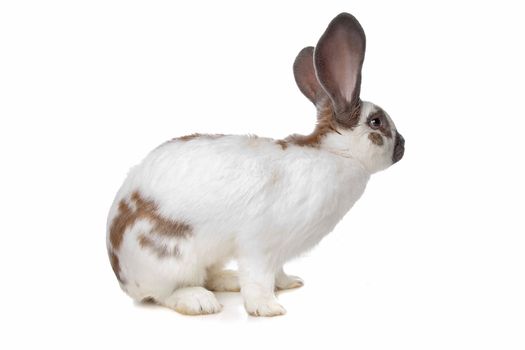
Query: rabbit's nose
point(399, 148)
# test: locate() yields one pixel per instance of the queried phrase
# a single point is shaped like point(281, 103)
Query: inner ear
point(305, 77)
point(338, 59)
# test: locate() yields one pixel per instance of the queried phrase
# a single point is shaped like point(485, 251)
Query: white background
point(432, 256)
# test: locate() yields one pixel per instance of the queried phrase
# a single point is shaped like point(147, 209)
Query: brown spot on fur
point(325, 125)
point(187, 137)
point(327, 122)
point(113, 258)
point(385, 128)
point(162, 250)
point(148, 300)
point(120, 223)
point(376, 138)
point(282, 143)
point(197, 135)
point(147, 210)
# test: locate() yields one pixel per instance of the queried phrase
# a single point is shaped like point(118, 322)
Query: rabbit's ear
point(338, 58)
point(304, 73)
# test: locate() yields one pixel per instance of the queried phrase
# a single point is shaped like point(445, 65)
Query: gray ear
point(304, 73)
point(338, 59)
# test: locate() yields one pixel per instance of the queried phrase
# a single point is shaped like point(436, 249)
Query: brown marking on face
point(197, 135)
point(146, 210)
point(160, 249)
point(385, 128)
point(376, 138)
point(113, 258)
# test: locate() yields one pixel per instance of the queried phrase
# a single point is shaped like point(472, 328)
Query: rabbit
point(197, 202)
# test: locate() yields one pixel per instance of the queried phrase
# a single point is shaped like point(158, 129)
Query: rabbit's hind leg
point(284, 281)
point(221, 280)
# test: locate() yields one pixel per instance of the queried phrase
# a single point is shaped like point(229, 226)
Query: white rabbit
point(199, 201)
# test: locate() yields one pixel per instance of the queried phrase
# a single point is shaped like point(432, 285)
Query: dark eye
point(375, 123)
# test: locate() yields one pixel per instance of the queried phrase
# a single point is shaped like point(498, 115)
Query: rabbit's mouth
point(399, 148)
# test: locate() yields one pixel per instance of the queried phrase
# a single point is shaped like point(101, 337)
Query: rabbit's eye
point(375, 123)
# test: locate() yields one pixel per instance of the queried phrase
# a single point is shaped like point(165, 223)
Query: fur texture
point(238, 197)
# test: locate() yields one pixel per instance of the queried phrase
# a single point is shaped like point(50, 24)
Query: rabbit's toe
point(264, 307)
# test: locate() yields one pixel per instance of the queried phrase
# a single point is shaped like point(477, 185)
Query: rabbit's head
point(329, 75)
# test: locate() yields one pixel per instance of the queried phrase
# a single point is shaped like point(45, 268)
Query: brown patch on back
point(376, 138)
point(327, 122)
point(162, 250)
point(113, 258)
point(146, 210)
point(325, 125)
point(282, 143)
point(197, 135)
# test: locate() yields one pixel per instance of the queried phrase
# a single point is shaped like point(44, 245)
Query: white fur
point(245, 197)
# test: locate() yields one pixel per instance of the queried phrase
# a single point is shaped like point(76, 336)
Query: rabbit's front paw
point(266, 307)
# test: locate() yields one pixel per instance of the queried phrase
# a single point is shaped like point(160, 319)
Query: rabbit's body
point(236, 197)
point(198, 201)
